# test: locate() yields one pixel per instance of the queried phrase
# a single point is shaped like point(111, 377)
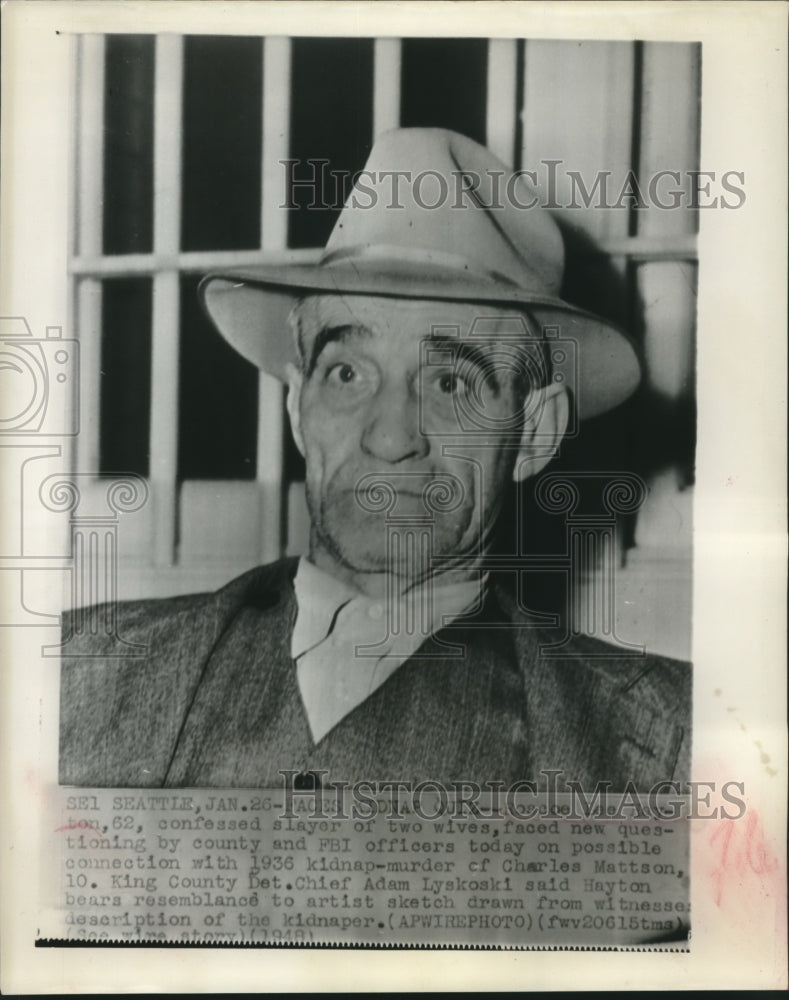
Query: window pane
point(218, 409)
point(444, 84)
point(221, 143)
point(128, 144)
point(331, 119)
point(125, 388)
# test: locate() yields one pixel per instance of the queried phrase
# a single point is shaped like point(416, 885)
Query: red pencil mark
point(81, 824)
point(741, 852)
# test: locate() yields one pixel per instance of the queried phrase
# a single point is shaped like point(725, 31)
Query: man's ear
point(547, 414)
point(293, 403)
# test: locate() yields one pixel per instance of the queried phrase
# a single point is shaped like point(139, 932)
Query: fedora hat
point(433, 215)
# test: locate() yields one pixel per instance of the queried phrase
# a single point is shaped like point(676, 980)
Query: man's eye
point(341, 374)
point(451, 384)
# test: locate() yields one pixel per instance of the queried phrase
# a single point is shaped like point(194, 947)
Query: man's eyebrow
point(470, 354)
point(333, 335)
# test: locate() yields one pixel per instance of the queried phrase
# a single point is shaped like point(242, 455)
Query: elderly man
point(418, 387)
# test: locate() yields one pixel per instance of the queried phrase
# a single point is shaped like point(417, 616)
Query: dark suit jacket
point(214, 702)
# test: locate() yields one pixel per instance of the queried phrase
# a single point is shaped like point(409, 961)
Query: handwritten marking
point(742, 851)
point(81, 824)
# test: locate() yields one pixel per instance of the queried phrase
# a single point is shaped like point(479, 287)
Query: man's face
point(380, 411)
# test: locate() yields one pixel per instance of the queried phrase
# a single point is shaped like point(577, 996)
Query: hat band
point(415, 255)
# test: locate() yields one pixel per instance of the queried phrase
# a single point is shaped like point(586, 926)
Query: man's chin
point(404, 552)
point(364, 554)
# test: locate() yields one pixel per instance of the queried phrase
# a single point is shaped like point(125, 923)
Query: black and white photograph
point(371, 433)
point(464, 456)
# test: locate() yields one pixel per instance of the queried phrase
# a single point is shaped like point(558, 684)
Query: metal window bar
point(501, 112)
point(166, 304)
point(273, 237)
point(681, 246)
point(88, 238)
point(387, 56)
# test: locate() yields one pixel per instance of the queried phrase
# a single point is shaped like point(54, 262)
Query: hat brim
point(250, 308)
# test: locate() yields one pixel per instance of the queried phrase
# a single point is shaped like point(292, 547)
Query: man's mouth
point(384, 497)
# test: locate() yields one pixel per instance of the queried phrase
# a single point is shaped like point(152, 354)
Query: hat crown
point(433, 216)
point(437, 195)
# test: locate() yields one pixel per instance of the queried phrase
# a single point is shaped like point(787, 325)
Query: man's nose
point(391, 431)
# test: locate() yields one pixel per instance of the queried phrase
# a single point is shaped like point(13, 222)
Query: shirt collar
point(320, 596)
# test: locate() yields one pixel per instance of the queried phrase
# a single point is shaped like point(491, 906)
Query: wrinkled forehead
point(408, 318)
